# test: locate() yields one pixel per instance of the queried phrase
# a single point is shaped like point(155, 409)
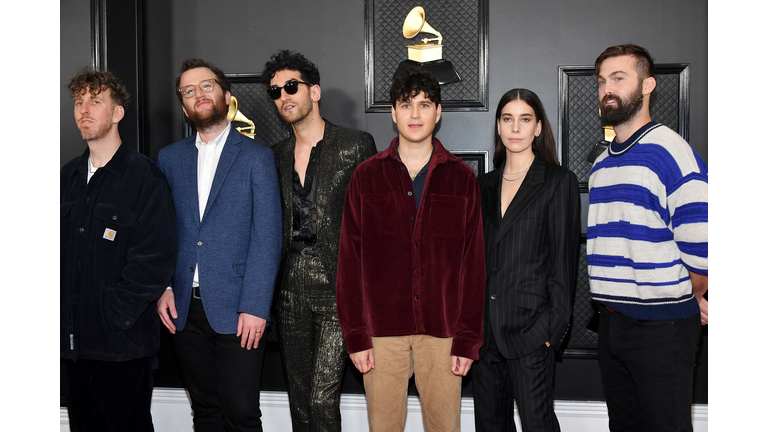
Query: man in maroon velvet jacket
point(411, 275)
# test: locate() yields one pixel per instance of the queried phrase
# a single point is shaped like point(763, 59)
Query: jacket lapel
point(189, 172)
point(490, 198)
point(327, 154)
point(285, 171)
point(532, 186)
point(228, 155)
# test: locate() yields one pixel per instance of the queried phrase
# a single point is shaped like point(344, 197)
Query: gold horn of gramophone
point(414, 24)
point(234, 115)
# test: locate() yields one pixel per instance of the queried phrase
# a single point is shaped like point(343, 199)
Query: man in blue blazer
point(229, 222)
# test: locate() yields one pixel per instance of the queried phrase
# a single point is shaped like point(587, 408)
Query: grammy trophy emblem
point(234, 115)
point(426, 55)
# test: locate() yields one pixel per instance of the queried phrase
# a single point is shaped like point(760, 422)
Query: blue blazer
point(237, 243)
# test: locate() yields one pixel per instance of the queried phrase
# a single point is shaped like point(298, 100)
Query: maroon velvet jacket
point(403, 272)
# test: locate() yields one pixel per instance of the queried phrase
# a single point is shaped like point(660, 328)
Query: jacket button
point(410, 193)
point(413, 219)
point(127, 323)
point(114, 217)
point(494, 269)
point(493, 296)
point(416, 244)
point(199, 243)
point(402, 168)
point(417, 271)
point(192, 269)
point(82, 230)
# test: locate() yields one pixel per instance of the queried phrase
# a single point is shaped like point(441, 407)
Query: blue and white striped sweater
point(647, 225)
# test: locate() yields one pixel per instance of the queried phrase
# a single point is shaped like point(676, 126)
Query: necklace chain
point(413, 177)
point(518, 178)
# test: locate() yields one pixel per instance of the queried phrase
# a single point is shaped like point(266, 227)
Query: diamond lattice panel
point(257, 106)
point(665, 101)
point(581, 338)
point(584, 128)
point(459, 23)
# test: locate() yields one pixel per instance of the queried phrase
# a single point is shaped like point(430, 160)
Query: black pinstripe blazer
point(531, 258)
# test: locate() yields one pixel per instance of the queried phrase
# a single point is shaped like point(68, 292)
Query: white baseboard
point(171, 412)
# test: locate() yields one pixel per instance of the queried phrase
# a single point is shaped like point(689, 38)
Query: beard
point(100, 132)
point(216, 114)
point(300, 111)
point(624, 109)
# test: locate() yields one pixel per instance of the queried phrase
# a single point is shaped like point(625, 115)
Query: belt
point(304, 250)
point(196, 292)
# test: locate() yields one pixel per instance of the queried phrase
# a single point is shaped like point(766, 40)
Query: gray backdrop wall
point(528, 40)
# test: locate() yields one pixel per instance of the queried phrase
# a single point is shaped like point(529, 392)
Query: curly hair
point(290, 60)
point(411, 82)
point(96, 81)
point(543, 145)
point(194, 63)
point(644, 65)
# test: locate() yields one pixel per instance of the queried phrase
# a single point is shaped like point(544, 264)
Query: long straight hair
point(543, 145)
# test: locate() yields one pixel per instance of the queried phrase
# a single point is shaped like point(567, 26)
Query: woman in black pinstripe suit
point(531, 211)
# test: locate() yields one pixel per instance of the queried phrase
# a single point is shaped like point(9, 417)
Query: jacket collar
point(533, 184)
point(441, 155)
point(189, 165)
point(116, 165)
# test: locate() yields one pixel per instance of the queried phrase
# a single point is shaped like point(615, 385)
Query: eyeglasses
point(291, 87)
point(206, 86)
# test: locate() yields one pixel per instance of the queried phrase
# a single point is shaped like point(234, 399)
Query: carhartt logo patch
point(109, 234)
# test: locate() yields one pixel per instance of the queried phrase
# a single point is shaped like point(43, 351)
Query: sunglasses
point(291, 87)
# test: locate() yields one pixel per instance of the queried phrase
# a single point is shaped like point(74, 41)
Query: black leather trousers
point(311, 344)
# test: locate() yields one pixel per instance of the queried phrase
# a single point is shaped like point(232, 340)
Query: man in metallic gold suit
point(314, 167)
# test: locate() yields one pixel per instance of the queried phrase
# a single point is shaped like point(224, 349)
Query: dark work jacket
point(532, 256)
point(404, 271)
point(109, 287)
point(343, 150)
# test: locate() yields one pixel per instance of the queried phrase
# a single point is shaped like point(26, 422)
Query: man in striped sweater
point(647, 252)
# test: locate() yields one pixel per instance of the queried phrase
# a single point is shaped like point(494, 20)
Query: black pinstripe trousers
point(499, 382)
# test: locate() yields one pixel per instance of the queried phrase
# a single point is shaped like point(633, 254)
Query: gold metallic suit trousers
point(311, 344)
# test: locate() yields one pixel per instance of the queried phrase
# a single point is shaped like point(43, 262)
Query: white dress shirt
point(208, 155)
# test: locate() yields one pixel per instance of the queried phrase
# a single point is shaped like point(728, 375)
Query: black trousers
point(107, 396)
point(499, 382)
point(647, 371)
point(223, 379)
point(311, 345)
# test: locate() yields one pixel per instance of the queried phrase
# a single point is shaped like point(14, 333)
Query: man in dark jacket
point(314, 166)
point(118, 253)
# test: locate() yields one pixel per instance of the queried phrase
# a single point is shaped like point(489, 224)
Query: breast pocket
point(112, 229)
point(378, 215)
point(447, 216)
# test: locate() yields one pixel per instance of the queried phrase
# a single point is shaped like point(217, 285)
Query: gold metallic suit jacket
point(343, 150)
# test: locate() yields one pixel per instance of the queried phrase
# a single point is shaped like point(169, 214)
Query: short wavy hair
point(194, 63)
point(290, 60)
point(411, 82)
point(96, 81)
point(644, 65)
